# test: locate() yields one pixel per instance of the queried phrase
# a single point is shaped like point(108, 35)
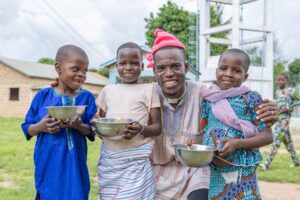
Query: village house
point(20, 81)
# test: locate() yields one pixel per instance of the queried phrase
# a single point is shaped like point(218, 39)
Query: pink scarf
point(223, 111)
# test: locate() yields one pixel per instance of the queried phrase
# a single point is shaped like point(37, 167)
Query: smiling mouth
point(170, 83)
point(227, 81)
point(129, 73)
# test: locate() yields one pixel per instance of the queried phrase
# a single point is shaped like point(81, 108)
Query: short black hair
point(171, 47)
point(240, 52)
point(64, 52)
point(130, 45)
point(285, 75)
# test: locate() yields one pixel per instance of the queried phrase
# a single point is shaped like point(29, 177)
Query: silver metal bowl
point(111, 128)
point(66, 112)
point(195, 156)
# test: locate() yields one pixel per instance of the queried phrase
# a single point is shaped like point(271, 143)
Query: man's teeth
point(170, 82)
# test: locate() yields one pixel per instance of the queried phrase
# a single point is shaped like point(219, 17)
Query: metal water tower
point(260, 77)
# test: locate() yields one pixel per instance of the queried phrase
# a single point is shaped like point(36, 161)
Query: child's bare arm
point(102, 113)
point(262, 139)
point(154, 126)
point(81, 128)
point(152, 129)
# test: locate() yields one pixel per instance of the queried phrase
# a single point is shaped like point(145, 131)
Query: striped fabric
point(126, 174)
point(173, 180)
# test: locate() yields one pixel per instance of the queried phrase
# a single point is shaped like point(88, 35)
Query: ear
point(58, 68)
point(154, 71)
point(216, 71)
point(142, 67)
point(186, 67)
point(246, 77)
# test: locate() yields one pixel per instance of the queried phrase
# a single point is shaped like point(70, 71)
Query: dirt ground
point(281, 191)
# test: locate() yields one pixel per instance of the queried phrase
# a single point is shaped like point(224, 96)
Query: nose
point(81, 74)
point(169, 71)
point(228, 73)
point(128, 67)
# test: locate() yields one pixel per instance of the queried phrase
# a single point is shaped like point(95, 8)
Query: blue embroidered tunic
point(244, 160)
point(61, 171)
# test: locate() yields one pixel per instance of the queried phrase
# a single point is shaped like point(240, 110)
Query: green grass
point(280, 170)
point(16, 164)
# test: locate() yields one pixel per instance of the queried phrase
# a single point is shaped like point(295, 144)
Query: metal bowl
point(66, 112)
point(195, 156)
point(111, 128)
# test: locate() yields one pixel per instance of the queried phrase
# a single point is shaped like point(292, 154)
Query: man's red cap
point(163, 39)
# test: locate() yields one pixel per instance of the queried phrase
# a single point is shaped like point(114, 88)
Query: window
point(14, 94)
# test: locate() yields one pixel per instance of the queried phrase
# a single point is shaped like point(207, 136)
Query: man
point(180, 103)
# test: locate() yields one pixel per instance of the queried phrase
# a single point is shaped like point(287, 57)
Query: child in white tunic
point(124, 169)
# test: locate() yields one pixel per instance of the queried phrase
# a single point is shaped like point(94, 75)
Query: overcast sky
point(31, 29)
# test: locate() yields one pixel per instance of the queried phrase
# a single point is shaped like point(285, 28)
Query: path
point(281, 191)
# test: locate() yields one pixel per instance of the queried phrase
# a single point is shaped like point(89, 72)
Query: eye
point(176, 66)
point(222, 67)
point(74, 69)
point(135, 63)
point(237, 70)
point(159, 68)
point(121, 63)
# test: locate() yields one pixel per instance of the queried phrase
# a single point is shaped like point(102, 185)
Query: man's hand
point(268, 112)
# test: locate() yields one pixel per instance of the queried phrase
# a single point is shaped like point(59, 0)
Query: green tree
point(170, 18)
point(215, 20)
point(278, 69)
point(255, 54)
point(175, 20)
point(102, 71)
point(45, 60)
point(93, 70)
point(294, 71)
point(279, 61)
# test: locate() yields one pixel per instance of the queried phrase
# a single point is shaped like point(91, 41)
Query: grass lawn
point(16, 164)
point(280, 170)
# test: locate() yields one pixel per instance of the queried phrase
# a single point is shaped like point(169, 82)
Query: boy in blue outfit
point(60, 153)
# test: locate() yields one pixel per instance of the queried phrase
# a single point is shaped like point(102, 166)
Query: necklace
point(175, 100)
